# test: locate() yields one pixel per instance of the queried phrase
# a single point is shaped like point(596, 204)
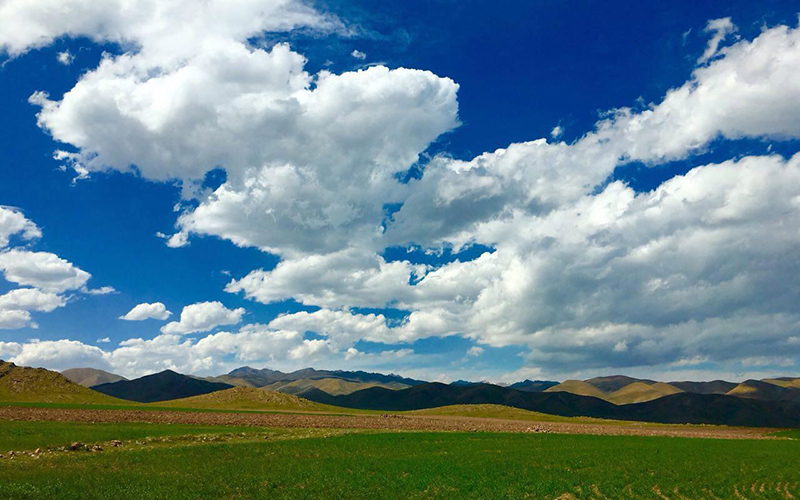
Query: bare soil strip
point(378, 422)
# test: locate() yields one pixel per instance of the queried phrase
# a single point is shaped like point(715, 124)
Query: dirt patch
point(387, 422)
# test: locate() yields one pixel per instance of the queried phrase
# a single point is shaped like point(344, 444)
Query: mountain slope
point(37, 385)
point(534, 385)
point(433, 395)
point(613, 383)
point(247, 398)
point(788, 382)
point(333, 386)
point(265, 376)
point(89, 377)
point(160, 387)
point(713, 387)
point(578, 387)
point(638, 392)
point(757, 389)
point(717, 409)
point(676, 408)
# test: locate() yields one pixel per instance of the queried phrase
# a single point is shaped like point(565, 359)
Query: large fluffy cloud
point(42, 270)
point(13, 222)
point(202, 317)
point(583, 270)
point(144, 311)
point(165, 28)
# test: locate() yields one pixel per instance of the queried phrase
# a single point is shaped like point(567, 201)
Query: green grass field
point(328, 464)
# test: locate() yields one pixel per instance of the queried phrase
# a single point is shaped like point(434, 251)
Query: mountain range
point(769, 402)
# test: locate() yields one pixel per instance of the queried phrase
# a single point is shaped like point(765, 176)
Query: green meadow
point(190, 462)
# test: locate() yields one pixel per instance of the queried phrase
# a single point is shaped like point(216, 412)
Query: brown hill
point(639, 392)
point(333, 386)
point(230, 380)
point(37, 385)
point(579, 388)
point(613, 383)
point(247, 398)
point(787, 382)
point(757, 389)
point(88, 377)
point(713, 387)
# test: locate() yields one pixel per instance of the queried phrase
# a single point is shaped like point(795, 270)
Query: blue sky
point(521, 69)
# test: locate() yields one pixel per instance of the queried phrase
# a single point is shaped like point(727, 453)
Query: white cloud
point(557, 132)
point(358, 54)
point(341, 327)
point(720, 28)
point(9, 349)
point(143, 311)
point(583, 270)
point(42, 270)
point(14, 319)
point(104, 340)
point(31, 299)
point(165, 28)
point(66, 58)
point(475, 351)
point(59, 355)
point(202, 317)
point(13, 222)
point(103, 290)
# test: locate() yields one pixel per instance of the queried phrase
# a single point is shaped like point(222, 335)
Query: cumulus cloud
point(167, 28)
point(31, 299)
point(144, 311)
point(42, 270)
point(59, 355)
point(65, 57)
point(358, 54)
point(202, 317)
point(475, 351)
point(14, 319)
point(720, 29)
point(582, 269)
point(13, 222)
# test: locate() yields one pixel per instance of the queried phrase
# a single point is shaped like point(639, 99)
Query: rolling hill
point(713, 387)
point(264, 377)
point(757, 389)
point(89, 377)
point(161, 386)
point(789, 382)
point(613, 383)
point(247, 398)
point(435, 394)
point(579, 388)
point(534, 385)
point(333, 386)
point(680, 408)
point(638, 392)
point(37, 385)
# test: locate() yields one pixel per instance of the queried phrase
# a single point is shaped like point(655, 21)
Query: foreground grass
point(21, 436)
point(412, 465)
point(511, 413)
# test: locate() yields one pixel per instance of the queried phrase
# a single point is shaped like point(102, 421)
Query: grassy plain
point(299, 463)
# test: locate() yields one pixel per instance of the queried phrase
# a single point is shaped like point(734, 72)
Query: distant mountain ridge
point(623, 390)
point(163, 386)
point(89, 377)
point(265, 376)
point(680, 408)
point(534, 385)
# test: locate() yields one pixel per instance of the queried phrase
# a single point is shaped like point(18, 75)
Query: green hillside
point(333, 386)
point(37, 385)
point(247, 398)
